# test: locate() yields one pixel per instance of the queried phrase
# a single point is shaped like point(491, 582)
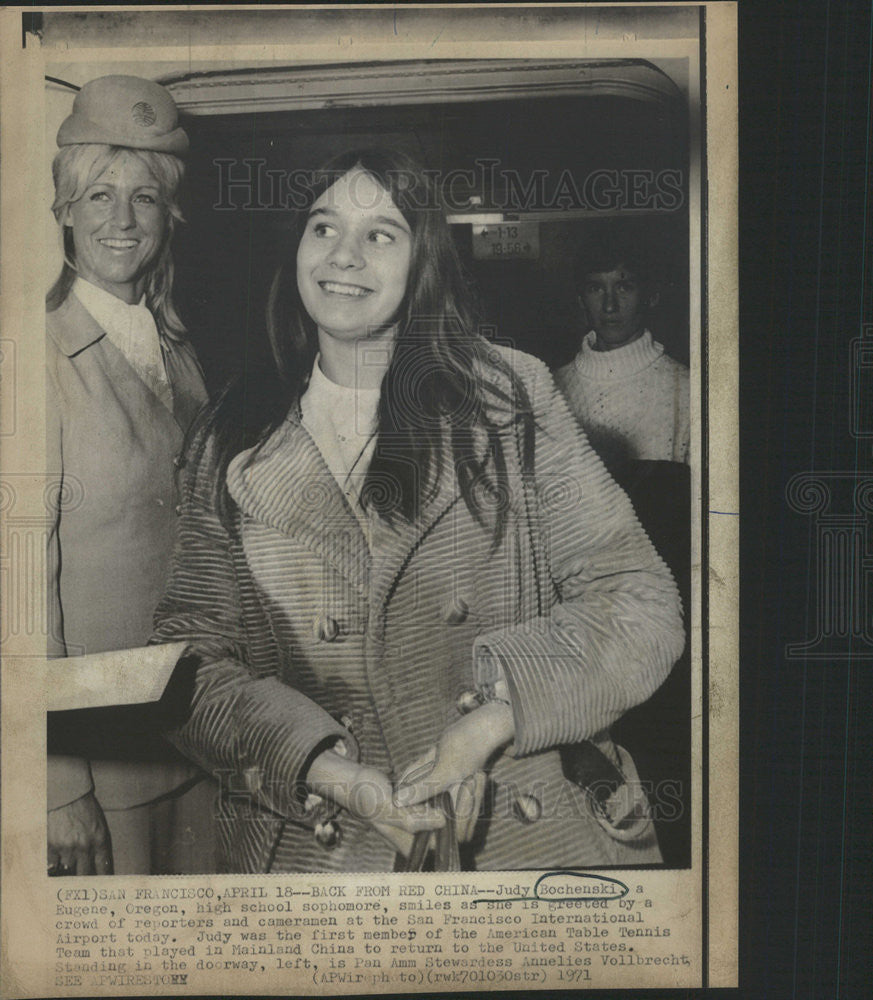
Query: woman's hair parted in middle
point(442, 374)
point(74, 169)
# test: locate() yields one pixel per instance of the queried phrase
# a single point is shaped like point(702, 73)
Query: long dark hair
point(445, 388)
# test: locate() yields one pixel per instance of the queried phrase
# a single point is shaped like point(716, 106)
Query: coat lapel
point(72, 327)
point(398, 543)
point(287, 485)
point(74, 330)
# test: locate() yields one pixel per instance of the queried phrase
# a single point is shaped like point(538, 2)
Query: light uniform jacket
point(112, 452)
point(308, 637)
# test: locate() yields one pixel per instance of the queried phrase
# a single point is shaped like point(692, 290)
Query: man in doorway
point(632, 400)
point(628, 394)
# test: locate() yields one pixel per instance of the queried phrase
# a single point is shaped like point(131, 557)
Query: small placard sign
point(506, 241)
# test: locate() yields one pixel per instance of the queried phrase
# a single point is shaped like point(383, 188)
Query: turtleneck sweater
point(632, 402)
point(342, 421)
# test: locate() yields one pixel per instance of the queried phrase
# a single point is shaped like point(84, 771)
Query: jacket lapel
point(74, 330)
point(72, 327)
point(398, 543)
point(287, 485)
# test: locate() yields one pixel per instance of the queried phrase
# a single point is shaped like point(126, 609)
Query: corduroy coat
point(307, 635)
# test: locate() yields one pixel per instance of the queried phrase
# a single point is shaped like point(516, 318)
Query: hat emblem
point(144, 113)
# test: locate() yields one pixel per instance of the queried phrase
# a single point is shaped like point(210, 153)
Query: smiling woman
point(352, 267)
point(119, 226)
point(108, 197)
point(396, 627)
point(123, 386)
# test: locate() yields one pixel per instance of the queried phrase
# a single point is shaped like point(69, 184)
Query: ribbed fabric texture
point(632, 402)
point(299, 626)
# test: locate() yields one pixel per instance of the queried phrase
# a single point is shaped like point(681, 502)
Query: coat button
point(528, 808)
point(456, 611)
point(311, 803)
point(179, 462)
point(328, 834)
point(468, 701)
point(178, 510)
point(325, 629)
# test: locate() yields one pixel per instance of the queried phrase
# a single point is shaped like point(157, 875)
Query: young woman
point(405, 572)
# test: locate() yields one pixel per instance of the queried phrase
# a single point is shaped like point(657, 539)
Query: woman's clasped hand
point(455, 764)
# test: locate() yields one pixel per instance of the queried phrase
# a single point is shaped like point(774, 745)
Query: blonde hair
point(75, 169)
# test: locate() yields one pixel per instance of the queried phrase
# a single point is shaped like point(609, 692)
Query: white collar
point(323, 384)
point(350, 411)
point(110, 312)
point(132, 330)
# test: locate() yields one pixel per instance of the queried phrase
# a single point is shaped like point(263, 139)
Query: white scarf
point(133, 331)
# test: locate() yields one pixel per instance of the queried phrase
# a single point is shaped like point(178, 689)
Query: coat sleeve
point(615, 629)
point(68, 778)
point(246, 726)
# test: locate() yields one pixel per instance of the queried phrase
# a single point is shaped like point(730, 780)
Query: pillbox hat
point(125, 111)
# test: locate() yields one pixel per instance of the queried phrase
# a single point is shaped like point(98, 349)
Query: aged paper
point(246, 75)
point(125, 677)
